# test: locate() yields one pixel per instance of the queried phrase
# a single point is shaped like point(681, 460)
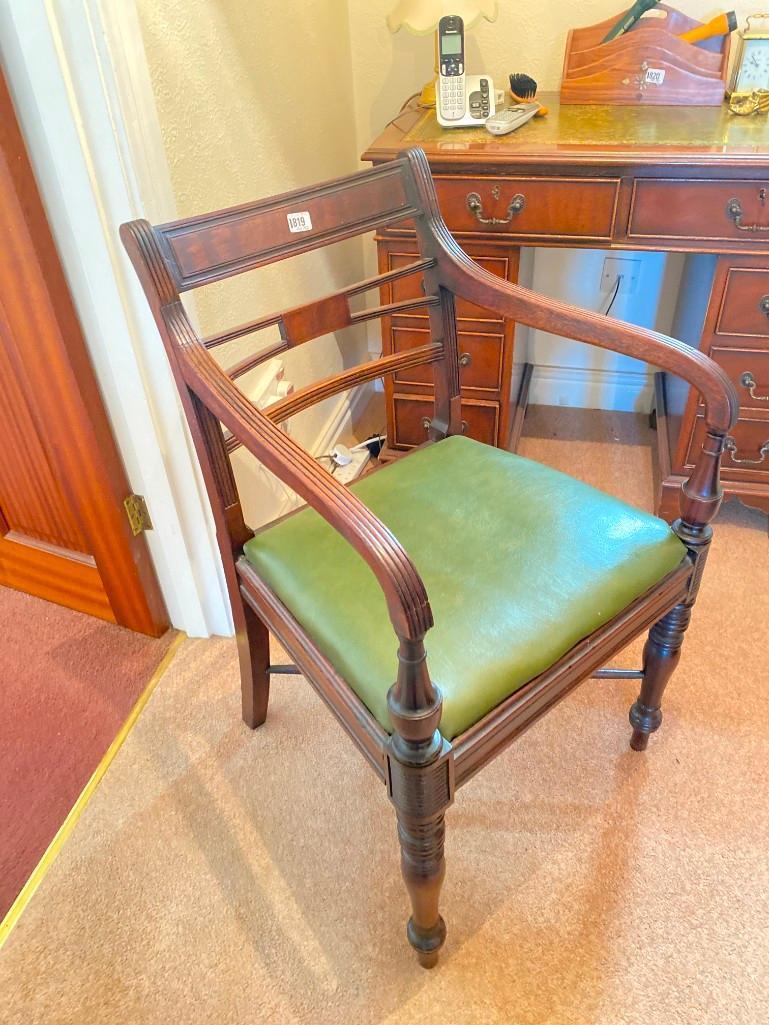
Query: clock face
point(754, 66)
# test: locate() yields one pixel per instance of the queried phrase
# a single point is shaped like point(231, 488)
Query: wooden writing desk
point(675, 179)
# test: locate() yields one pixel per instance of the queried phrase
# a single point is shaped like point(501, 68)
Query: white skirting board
point(590, 388)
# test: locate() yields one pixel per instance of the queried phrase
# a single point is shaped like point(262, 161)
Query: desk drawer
point(559, 207)
point(749, 456)
point(400, 255)
point(698, 209)
point(413, 412)
point(744, 310)
point(480, 361)
point(749, 372)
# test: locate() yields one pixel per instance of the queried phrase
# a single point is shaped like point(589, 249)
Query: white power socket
point(630, 270)
point(349, 471)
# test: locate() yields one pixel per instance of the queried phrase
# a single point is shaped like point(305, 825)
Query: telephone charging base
point(473, 115)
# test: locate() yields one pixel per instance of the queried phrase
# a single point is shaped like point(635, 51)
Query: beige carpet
point(220, 876)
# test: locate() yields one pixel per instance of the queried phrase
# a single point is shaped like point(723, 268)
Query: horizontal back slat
point(204, 249)
point(316, 318)
point(256, 359)
point(305, 323)
point(252, 326)
point(303, 398)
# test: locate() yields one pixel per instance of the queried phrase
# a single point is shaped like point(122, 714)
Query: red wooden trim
point(54, 575)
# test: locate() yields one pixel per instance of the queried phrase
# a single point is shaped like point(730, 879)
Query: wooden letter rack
point(647, 65)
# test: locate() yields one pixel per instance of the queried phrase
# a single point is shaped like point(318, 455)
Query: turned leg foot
point(254, 656)
point(661, 655)
point(639, 740)
point(423, 868)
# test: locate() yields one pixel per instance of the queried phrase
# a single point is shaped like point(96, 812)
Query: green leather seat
point(520, 562)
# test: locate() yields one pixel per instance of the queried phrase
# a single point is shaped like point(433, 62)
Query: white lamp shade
point(422, 16)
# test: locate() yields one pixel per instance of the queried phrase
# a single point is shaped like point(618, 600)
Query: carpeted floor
point(222, 876)
point(67, 683)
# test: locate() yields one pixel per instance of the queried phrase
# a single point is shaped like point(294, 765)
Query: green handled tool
point(630, 18)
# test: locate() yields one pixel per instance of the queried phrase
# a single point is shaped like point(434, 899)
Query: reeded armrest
point(403, 589)
point(463, 276)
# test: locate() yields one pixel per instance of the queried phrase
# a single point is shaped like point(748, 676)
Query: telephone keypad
point(455, 104)
point(452, 96)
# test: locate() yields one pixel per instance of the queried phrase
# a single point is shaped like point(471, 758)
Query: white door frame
point(79, 80)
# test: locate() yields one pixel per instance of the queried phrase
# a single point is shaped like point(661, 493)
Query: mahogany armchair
point(532, 579)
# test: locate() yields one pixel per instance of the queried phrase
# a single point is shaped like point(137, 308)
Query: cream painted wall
point(255, 99)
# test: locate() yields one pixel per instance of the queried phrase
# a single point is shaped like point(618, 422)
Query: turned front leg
point(420, 781)
point(423, 867)
point(421, 792)
point(700, 498)
point(661, 656)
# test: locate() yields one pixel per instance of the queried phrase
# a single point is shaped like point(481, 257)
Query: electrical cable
point(403, 110)
point(615, 293)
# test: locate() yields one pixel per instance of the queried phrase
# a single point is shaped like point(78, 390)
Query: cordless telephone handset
point(451, 77)
point(461, 99)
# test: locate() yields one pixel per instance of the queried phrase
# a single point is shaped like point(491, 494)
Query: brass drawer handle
point(731, 448)
point(475, 206)
point(465, 360)
point(763, 304)
point(464, 426)
point(734, 213)
point(748, 381)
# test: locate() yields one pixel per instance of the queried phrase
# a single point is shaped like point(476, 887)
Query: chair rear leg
point(254, 655)
point(660, 658)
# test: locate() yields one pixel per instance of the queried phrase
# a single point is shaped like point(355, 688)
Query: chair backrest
point(186, 254)
point(173, 258)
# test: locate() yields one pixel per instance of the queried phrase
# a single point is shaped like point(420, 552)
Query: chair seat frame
point(420, 768)
point(491, 734)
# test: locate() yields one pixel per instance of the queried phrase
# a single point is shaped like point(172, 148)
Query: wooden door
point(64, 533)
